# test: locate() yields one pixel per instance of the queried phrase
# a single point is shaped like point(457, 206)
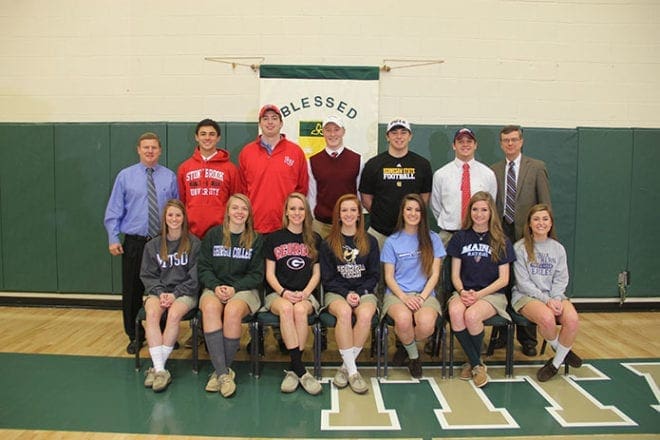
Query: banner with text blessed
point(308, 94)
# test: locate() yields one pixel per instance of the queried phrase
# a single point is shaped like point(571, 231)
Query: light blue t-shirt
point(402, 250)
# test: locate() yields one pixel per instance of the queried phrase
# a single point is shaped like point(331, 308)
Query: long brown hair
point(307, 226)
point(423, 232)
point(336, 240)
point(184, 244)
point(248, 235)
point(528, 236)
point(497, 237)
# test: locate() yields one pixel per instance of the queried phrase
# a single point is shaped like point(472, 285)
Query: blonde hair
point(184, 244)
point(248, 235)
point(335, 240)
point(309, 239)
point(528, 237)
point(497, 237)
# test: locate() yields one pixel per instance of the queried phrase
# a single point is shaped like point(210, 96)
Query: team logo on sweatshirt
point(295, 263)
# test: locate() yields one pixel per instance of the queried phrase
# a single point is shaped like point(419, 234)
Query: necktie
point(153, 203)
point(333, 154)
point(465, 190)
point(510, 208)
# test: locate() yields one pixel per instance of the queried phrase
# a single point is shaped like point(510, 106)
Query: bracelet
point(282, 292)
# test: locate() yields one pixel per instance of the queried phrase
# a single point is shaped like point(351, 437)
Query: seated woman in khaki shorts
point(169, 275)
point(481, 254)
point(231, 269)
point(349, 271)
point(293, 273)
point(540, 290)
point(412, 257)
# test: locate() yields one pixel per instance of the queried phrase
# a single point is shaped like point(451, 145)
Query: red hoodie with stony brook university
point(205, 187)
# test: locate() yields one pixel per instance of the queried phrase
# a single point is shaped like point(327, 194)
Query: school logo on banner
point(308, 94)
point(310, 137)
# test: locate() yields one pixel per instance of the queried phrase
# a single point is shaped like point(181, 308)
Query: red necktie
point(333, 154)
point(465, 190)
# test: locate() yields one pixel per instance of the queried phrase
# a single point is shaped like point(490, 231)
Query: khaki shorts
point(189, 301)
point(522, 302)
point(249, 297)
point(366, 298)
point(497, 300)
point(391, 299)
point(268, 302)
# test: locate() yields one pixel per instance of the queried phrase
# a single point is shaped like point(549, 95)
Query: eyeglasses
point(510, 140)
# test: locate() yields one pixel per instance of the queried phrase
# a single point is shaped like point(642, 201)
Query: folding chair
point(493, 321)
point(265, 319)
point(438, 338)
point(193, 316)
point(328, 320)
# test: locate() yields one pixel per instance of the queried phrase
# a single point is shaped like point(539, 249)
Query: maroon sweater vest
point(335, 176)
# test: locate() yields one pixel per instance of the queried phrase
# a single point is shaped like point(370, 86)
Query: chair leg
point(194, 325)
point(442, 348)
point(384, 338)
point(491, 342)
point(254, 348)
point(508, 367)
point(137, 349)
point(374, 342)
point(545, 344)
point(451, 352)
point(379, 350)
point(317, 350)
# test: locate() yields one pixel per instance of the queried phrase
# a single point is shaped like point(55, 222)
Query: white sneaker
point(341, 378)
point(290, 382)
point(310, 384)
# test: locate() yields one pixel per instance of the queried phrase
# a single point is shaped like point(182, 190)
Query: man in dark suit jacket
point(531, 187)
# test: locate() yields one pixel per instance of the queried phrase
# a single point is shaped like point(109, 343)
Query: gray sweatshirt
point(177, 274)
point(545, 279)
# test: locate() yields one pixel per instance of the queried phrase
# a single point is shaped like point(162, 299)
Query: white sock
point(349, 360)
point(356, 352)
point(157, 358)
point(560, 355)
point(554, 343)
point(166, 351)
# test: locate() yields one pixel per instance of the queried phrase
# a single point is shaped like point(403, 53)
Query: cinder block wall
point(539, 63)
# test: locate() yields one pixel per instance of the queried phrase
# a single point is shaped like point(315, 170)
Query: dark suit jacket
point(532, 188)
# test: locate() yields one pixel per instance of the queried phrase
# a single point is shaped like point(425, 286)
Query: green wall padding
point(645, 199)
point(603, 210)
point(82, 177)
point(29, 254)
point(56, 179)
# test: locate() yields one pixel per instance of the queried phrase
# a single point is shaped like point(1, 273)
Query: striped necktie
point(153, 204)
point(510, 208)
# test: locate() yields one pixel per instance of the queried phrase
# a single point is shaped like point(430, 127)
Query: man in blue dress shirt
point(127, 213)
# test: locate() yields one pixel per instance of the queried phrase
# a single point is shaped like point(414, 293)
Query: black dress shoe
point(133, 346)
point(428, 346)
point(529, 350)
point(546, 372)
point(415, 368)
point(573, 360)
point(499, 343)
point(400, 356)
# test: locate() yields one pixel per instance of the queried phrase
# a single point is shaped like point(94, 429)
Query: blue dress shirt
point(128, 208)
